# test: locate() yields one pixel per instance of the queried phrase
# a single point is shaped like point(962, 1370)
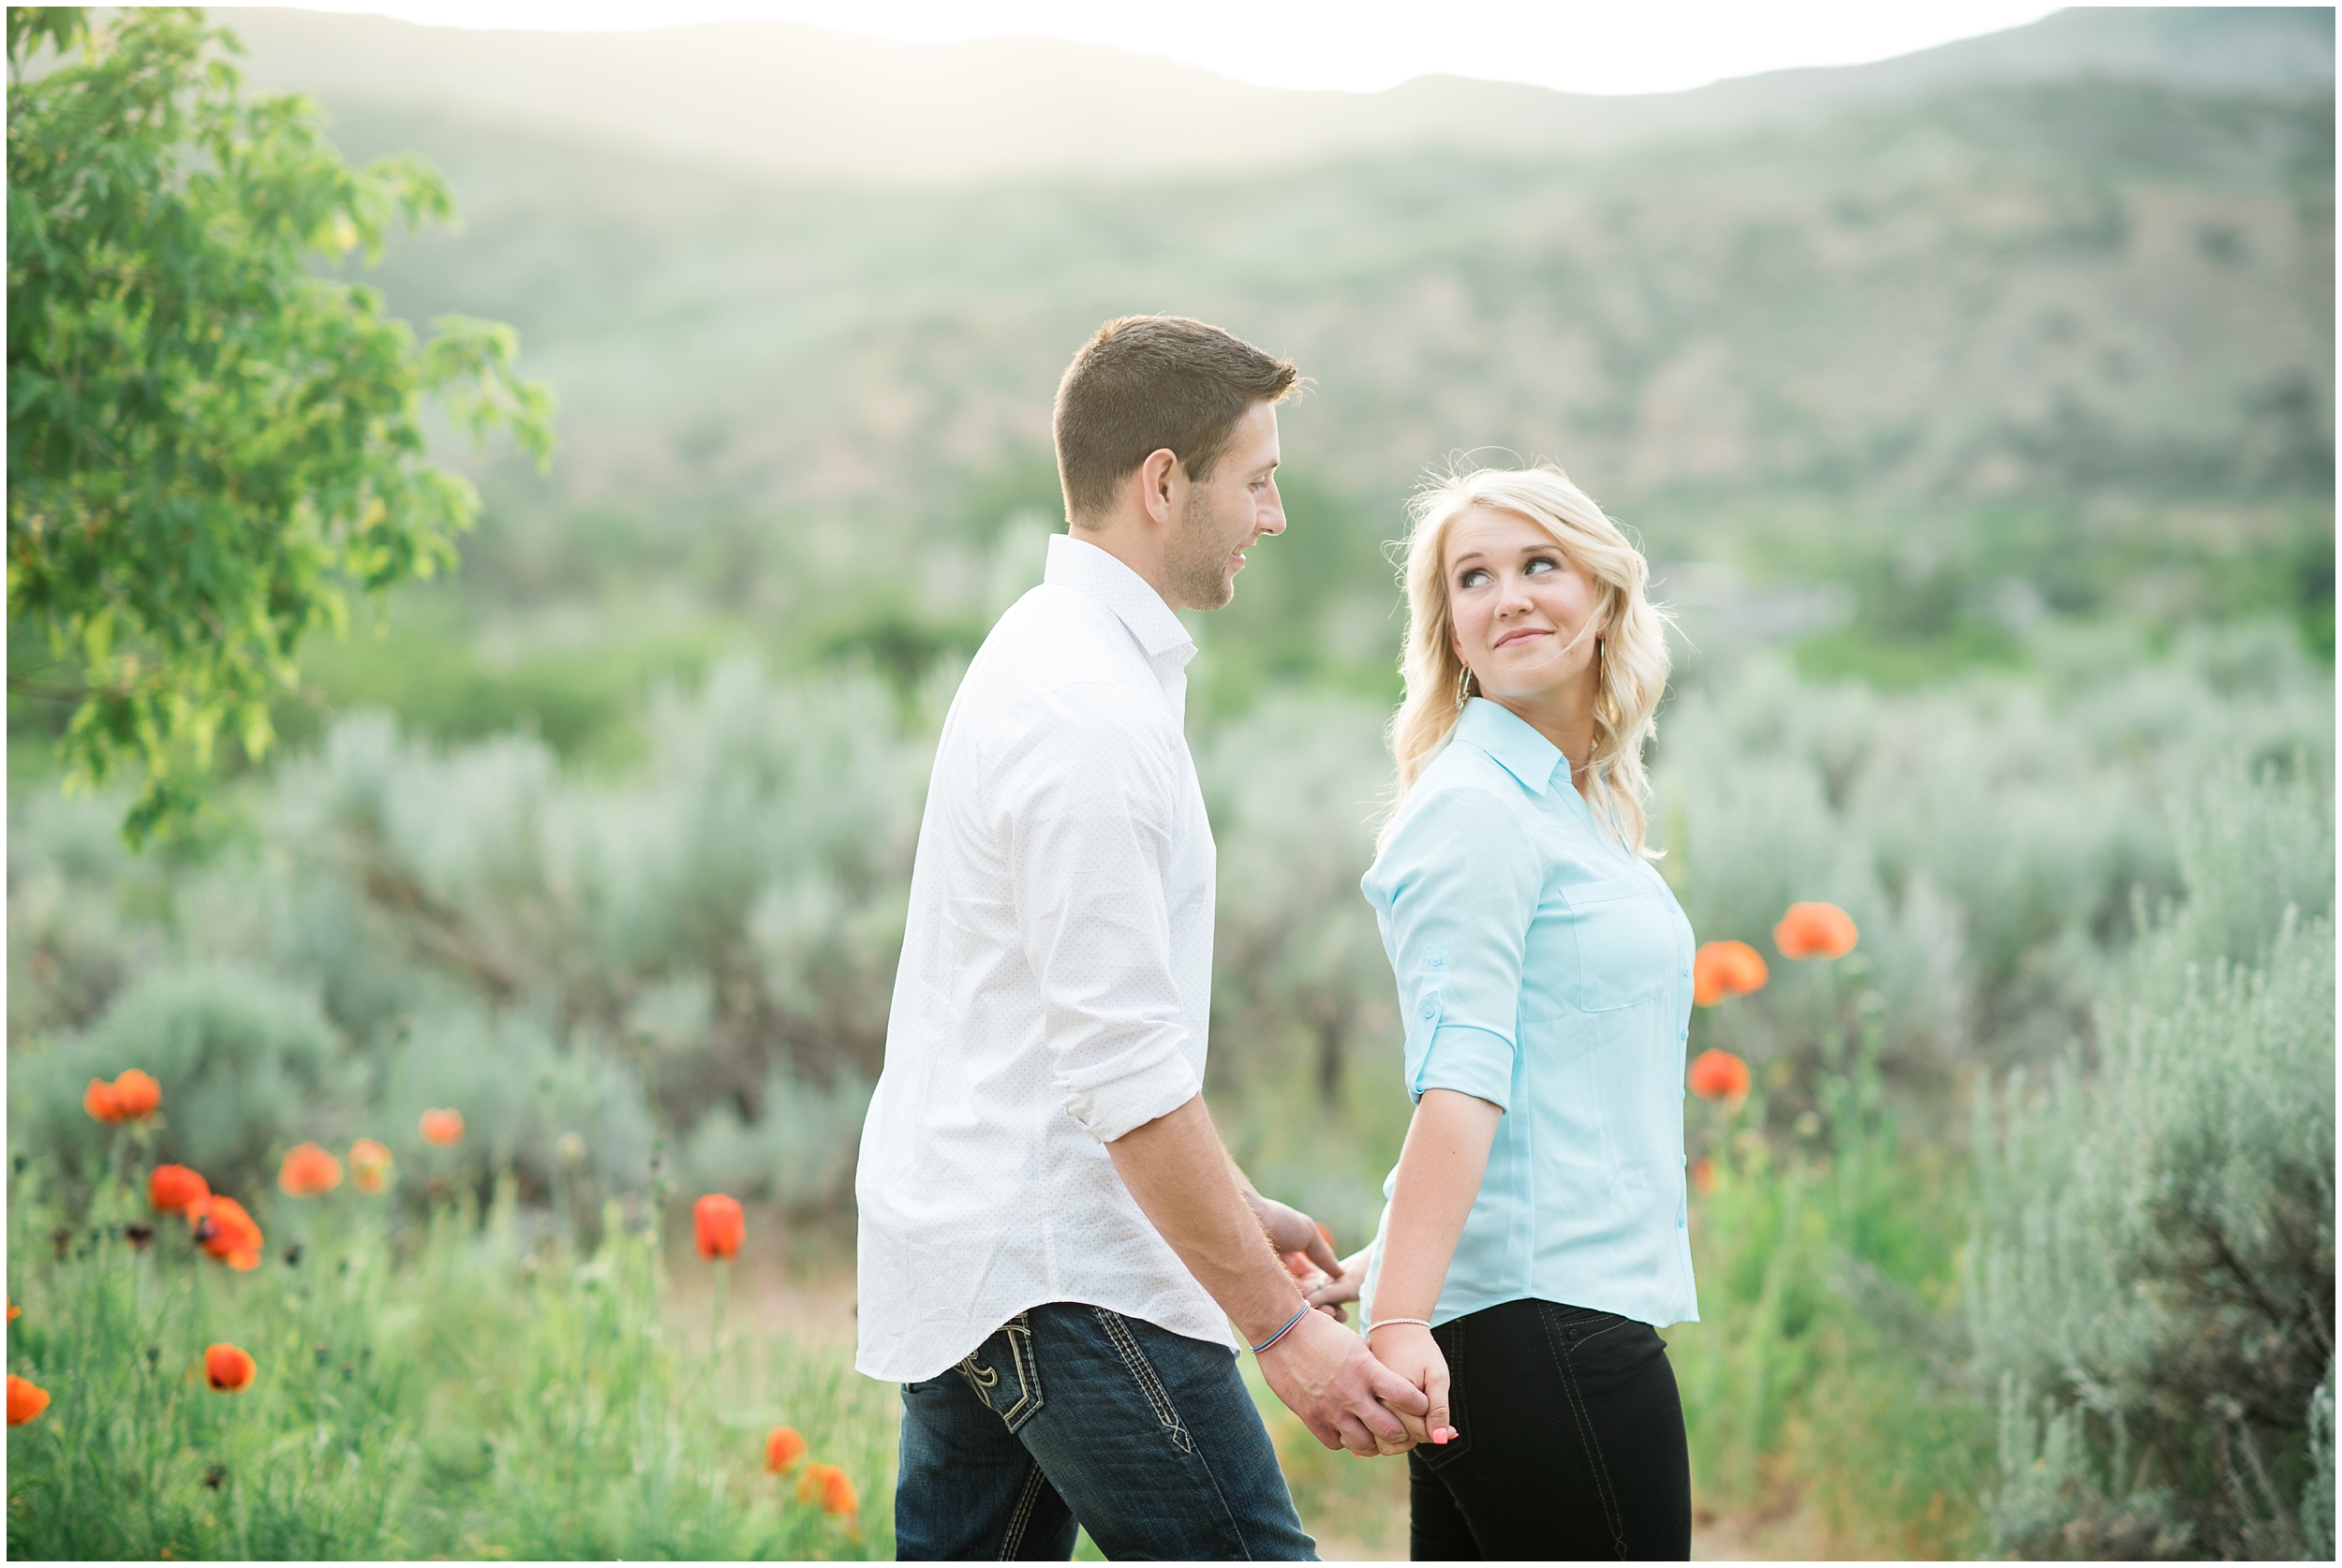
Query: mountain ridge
point(809, 105)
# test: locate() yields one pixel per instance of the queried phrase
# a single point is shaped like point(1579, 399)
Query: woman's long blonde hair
point(1633, 658)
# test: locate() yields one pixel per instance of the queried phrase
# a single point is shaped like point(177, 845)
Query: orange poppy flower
point(718, 1225)
point(98, 1101)
point(833, 1487)
point(308, 1172)
point(1721, 969)
point(1814, 931)
point(14, 1310)
point(784, 1447)
point(369, 1166)
point(442, 1127)
point(131, 1096)
point(1719, 1075)
point(229, 1370)
point(136, 1095)
point(25, 1400)
point(175, 1188)
point(224, 1230)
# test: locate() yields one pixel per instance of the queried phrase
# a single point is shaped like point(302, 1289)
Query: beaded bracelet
point(1380, 1323)
point(1283, 1332)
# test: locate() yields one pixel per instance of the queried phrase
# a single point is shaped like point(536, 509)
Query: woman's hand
point(1343, 1284)
point(1409, 1350)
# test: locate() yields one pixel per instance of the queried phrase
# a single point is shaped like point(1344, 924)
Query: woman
point(1534, 1240)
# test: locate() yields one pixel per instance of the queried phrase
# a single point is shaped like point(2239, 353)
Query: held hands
point(1409, 1350)
point(1406, 1349)
point(1326, 1376)
point(1348, 1277)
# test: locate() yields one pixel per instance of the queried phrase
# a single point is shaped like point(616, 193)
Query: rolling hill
point(2038, 320)
point(807, 104)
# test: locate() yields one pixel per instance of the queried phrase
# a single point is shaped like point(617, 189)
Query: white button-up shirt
point(1055, 985)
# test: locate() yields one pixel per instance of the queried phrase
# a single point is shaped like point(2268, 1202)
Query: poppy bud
point(99, 1101)
point(443, 1127)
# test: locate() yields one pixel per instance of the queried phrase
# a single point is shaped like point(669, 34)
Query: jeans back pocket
point(1450, 1337)
point(1003, 1373)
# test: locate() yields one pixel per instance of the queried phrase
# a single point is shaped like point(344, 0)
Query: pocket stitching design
point(1150, 1386)
point(1576, 1395)
point(985, 1378)
point(1023, 1516)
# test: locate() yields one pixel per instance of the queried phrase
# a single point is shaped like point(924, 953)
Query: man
point(1053, 1240)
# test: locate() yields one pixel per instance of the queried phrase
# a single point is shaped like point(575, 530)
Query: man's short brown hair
point(1146, 382)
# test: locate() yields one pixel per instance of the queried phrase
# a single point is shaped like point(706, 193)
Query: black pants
point(1570, 1446)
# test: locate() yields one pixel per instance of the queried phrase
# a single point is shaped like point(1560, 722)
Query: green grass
point(1826, 1378)
point(467, 1387)
point(465, 1383)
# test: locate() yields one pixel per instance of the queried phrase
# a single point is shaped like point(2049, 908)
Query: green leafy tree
point(209, 443)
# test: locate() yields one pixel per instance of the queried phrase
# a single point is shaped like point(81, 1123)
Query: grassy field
point(645, 981)
point(437, 1378)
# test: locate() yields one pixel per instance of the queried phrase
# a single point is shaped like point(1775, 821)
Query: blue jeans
point(1076, 1414)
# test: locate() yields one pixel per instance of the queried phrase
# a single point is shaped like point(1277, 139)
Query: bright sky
point(1357, 45)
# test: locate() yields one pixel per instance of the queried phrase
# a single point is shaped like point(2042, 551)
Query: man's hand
point(1409, 1350)
point(1183, 1181)
point(1347, 1399)
point(1290, 1230)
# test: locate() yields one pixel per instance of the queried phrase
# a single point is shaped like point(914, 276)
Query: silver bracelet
point(1380, 1323)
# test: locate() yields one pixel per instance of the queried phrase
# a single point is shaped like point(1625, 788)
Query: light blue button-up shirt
point(1544, 969)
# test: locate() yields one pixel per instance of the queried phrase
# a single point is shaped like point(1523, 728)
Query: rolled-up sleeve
point(1088, 802)
point(1461, 886)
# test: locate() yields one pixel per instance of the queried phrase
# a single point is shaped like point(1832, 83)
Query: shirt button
point(1679, 1221)
point(1429, 1009)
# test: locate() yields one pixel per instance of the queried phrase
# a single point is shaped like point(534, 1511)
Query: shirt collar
point(1515, 744)
point(1081, 565)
